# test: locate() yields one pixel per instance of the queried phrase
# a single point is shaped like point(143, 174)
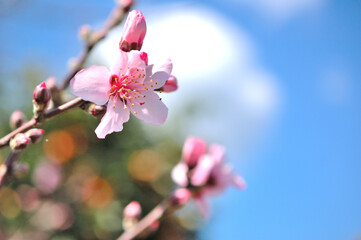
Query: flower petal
point(134, 60)
point(160, 76)
point(193, 149)
point(113, 119)
point(179, 174)
point(201, 173)
point(120, 64)
point(91, 84)
point(166, 67)
point(151, 110)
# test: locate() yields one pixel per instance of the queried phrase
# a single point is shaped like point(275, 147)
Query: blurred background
point(277, 82)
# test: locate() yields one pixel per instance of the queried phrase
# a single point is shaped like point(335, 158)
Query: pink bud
point(132, 210)
point(134, 32)
point(19, 142)
point(144, 57)
point(85, 33)
point(193, 149)
point(171, 84)
point(180, 197)
point(35, 134)
point(41, 94)
point(17, 119)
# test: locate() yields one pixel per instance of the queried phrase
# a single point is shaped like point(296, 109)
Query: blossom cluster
point(129, 84)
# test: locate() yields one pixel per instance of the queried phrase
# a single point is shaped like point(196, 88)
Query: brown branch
point(34, 122)
point(115, 18)
point(157, 213)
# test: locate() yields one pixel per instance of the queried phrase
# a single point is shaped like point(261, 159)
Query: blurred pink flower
point(205, 173)
point(134, 32)
point(128, 86)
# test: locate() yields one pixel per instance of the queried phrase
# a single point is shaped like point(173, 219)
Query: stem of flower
point(115, 18)
point(7, 167)
point(34, 122)
point(157, 213)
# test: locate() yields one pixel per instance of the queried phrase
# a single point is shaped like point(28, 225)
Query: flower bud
point(171, 84)
point(180, 197)
point(134, 32)
point(144, 57)
point(17, 119)
point(131, 215)
point(19, 142)
point(41, 94)
point(35, 134)
point(85, 33)
point(132, 210)
point(97, 111)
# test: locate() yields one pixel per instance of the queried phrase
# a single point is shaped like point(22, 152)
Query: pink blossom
point(205, 173)
point(180, 197)
point(127, 87)
point(134, 32)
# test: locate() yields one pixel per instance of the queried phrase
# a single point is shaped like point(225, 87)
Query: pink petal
point(135, 60)
point(160, 76)
point(120, 65)
point(202, 206)
point(113, 119)
point(166, 67)
point(193, 149)
point(238, 181)
point(202, 172)
point(179, 174)
point(218, 153)
point(91, 84)
point(151, 110)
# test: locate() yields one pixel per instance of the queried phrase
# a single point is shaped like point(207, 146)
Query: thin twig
point(6, 169)
point(34, 122)
point(157, 213)
point(115, 18)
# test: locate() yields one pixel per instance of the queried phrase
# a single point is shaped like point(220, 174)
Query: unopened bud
point(35, 134)
point(17, 119)
point(131, 215)
point(180, 197)
point(171, 84)
point(144, 57)
point(41, 94)
point(85, 33)
point(132, 210)
point(134, 32)
point(97, 111)
point(19, 142)
point(54, 90)
point(20, 169)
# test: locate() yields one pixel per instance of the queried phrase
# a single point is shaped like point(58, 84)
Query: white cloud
point(281, 9)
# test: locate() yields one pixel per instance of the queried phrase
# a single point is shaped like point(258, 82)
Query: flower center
point(125, 88)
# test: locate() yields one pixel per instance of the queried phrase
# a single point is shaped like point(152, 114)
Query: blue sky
point(302, 157)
